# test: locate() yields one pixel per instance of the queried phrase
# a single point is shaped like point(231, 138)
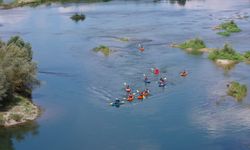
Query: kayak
point(140, 97)
point(130, 99)
point(141, 49)
point(117, 104)
point(145, 81)
point(183, 74)
point(128, 90)
point(162, 84)
point(145, 94)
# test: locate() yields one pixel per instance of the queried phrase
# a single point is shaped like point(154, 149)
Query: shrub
point(78, 17)
point(247, 55)
point(194, 44)
point(228, 27)
point(16, 117)
point(237, 90)
point(104, 49)
point(227, 52)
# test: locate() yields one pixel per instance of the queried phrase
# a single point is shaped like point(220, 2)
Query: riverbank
point(19, 112)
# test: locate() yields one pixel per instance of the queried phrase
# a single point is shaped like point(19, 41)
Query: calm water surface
point(78, 84)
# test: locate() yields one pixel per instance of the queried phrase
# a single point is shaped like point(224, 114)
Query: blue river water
point(78, 84)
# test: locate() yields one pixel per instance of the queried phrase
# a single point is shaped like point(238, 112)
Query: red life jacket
point(156, 71)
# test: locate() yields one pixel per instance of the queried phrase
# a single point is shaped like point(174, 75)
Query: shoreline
point(21, 112)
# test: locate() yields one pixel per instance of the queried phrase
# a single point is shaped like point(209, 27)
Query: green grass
point(225, 33)
point(104, 49)
point(247, 56)
point(124, 39)
point(78, 17)
point(1, 119)
point(236, 90)
point(227, 52)
point(228, 27)
point(194, 44)
point(16, 117)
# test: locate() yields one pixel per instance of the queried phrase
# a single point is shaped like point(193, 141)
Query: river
point(78, 84)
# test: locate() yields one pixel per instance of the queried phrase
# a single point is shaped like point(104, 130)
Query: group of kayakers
point(140, 95)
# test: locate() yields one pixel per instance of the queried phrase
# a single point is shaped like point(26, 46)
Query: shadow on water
point(18, 133)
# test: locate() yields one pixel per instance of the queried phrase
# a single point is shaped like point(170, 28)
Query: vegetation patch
point(247, 56)
point(225, 33)
point(104, 49)
point(226, 53)
point(17, 79)
point(2, 120)
point(236, 90)
point(193, 46)
point(16, 117)
point(78, 17)
point(124, 39)
point(18, 111)
point(228, 28)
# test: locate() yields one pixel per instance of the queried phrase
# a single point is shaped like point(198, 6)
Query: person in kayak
point(184, 73)
point(156, 71)
point(128, 89)
point(140, 47)
point(162, 82)
point(117, 101)
point(146, 80)
point(130, 97)
point(141, 96)
point(146, 92)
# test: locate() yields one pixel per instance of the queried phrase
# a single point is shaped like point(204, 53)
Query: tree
point(17, 70)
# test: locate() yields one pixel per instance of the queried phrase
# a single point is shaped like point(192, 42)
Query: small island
point(227, 56)
point(78, 17)
point(236, 90)
point(123, 39)
point(194, 46)
point(227, 28)
point(105, 50)
point(17, 79)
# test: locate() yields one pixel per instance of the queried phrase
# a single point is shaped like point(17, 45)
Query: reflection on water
point(11, 134)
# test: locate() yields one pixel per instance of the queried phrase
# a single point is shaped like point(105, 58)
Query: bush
point(104, 49)
point(16, 117)
point(247, 55)
point(194, 44)
point(228, 27)
point(78, 17)
point(227, 52)
point(237, 90)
